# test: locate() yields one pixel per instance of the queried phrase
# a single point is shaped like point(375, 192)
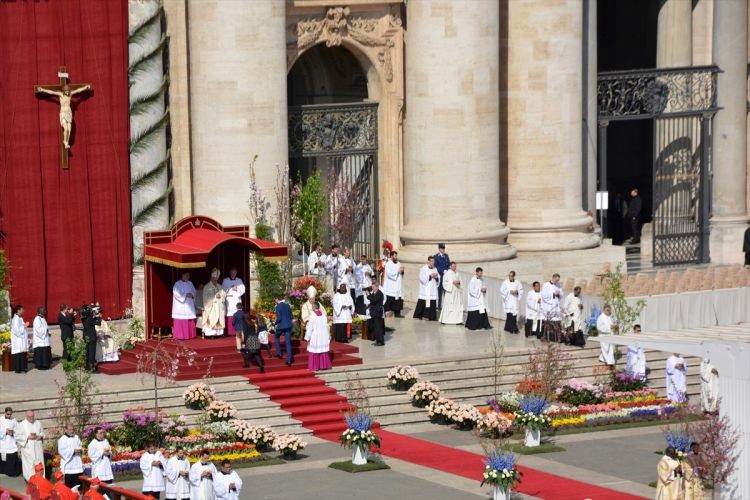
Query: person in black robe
point(251, 345)
point(376, 326)
point(746, 247)
point(66, 319)
point(634, 216)
point(90, 317)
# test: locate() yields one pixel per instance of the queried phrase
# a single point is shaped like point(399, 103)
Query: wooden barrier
point(14, 495)
point(113, 492)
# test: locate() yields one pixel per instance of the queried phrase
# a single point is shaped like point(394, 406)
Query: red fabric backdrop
point(66, 232)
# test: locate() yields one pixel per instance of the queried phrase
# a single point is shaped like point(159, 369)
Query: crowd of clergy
point(679, 478)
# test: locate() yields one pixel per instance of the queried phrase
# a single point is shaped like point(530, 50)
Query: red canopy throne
point(199, 244)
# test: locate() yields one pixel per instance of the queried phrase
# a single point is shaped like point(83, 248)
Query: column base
point(549, 235)
point(726, 237)
point(138, 300)
point(473, 241)
point(459, 252)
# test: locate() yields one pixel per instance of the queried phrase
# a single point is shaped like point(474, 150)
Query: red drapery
point(66, 232)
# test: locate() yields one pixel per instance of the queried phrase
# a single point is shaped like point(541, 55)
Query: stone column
point(238, 102)
point(674, 39)
point(544, 127)
point(451, 130)
point(729, 187)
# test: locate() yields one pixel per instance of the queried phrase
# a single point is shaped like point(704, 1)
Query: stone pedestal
point(139, 293)
point(729, 189)
point(238, 102)
point(544, 127)
point(451, 155)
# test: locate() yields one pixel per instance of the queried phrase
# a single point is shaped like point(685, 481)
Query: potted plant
point(532, 418)
point(501, 472)
point(464, 416)
point(423, 393)
point(359, 437)
point(288, 445)
point(220, 411)
point(402, 378)
point(198, 396)
point(440, 410)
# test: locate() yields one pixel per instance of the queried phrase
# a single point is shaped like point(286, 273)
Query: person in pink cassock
point(183, 308)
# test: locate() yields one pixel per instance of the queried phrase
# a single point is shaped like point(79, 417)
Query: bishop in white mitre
point(177, 472)
point(183, 308)
point(429, 281)
point(202, 475)
point(709, 386)
point(152, 467)
point(511, 292)
point(214, 306)
point(636, 360)
point(227, 484)
point(676, 379)
point(100, 454)
point(452, 312)
point(234, 287)
point(604, 326)
point(30, 440)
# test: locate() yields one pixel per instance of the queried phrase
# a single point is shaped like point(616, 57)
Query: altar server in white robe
point(19, 341)
point(30, 441)
point(393, 285)
point(70, 449)
point(234, 287)
point(676, 379)
point(604, 325)
point(214, 306)
point(178, 476)
point(227, 484)
point(709, 386)
point(343, 308)
point(429, 282)
point(533, 324)
point(40, 342)
point(202, 475)
point(573, 310)
point(335, 269)
point(348, 277)
point(476, 305)
point(316, 263)
point(100, 454)
point(9, 461)
point(152, 468)
point(636, 361)
point(452, 312)
point(183, 308)
point(363, 278)
point(511, 292)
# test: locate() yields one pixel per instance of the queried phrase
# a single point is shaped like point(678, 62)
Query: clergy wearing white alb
point(100, 454)
point(573, 310)
point(9, 463)
point(40, 341)
point(429, 282)
point(676, 379)
point(476, 305)
point(234, 287)
point(533, 324)
point(183, 308)
point(316, 264)
point(343, 307)
point(19, 341)
point(227, 484)
point(30, 442)
point(452, 312)
point(348, 277)
point(335, 269)
point(70, 449)
point(709, 386)
point(363, 278)
point(604, 327)
point(393, 285)
point(636, 360)
point(177, 473)
point(511, 292)
point(152, 468)
point(552, 297)
point(214, 307)
point(201, 477)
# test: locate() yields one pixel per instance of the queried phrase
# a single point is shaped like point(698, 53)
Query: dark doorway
point(326, 75)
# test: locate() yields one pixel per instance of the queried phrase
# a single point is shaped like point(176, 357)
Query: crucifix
point(65, 92)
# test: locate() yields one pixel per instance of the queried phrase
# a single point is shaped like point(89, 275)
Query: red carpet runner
point(320, 408)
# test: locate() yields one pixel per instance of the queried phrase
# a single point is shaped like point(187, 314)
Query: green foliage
point(78, 402)
point(270, 277)
point(578, 397)
point(138, 430)
point(624, 315)
point(309, 206)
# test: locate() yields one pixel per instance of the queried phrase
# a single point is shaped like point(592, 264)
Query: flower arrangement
point(494, 425)
point(508, 402)
point(627, 381)
point(529, 387)
point(174, 426)
point(4, 337)
point(440, 410)
point(639, 395)
point(531, 414)
point(464, 416)
point(590, 321)
point(680, 442)
point(500, 470)
point(288, 444)
point(218, 411)
point(262, 436)
point(402, 377)
point(199, 396)
point(138, 428)
point(221, 429)
point(359, 433)
point(578, 392)
point(423, 393)
point(88, 431)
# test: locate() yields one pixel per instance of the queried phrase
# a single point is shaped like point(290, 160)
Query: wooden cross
point(64, 91)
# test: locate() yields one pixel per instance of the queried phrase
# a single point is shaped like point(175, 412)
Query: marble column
point(451, 130)
point(729, 187)
point(544, 127)
point(238, 102)
point(674, 45)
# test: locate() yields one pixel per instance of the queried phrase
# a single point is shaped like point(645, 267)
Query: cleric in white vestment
point(452, 312)
point(214, 306)
point(604, 327)
point(183, 308)
point(234, 287)
point(676, 379)
point(429, 282)
point(511, 291)
point(227, 484)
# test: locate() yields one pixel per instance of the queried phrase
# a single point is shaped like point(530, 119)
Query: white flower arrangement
point(218, 411)
point(259, 435)
point(221, 429)
point(531, 420)
point(402, 377)
point(440, 410)
point(198, 396)
point(353, 437)
point(288, 444)
point(465, 416)
point(494, 424)
point(423, 393)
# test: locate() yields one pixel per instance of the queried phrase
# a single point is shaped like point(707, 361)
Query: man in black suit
point(66, 319)
point(746, 247)
point(634, 217)
point(376, 322)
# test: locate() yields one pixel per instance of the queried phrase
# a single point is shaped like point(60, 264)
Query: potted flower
point(464, 416)
point(262, 436)
point(501, 472)
point(220, 411)
point(680, 442)
point(288, 445)
point(359, 437)
point(494, 425)
point(440, 410)
point(402, 377)
point(532, 418)
point(423, 393)
point(198, 396)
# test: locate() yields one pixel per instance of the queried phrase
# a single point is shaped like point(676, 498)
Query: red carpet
point(223, 359)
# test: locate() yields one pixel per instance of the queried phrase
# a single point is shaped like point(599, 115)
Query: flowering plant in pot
point(262, 436)
point(440, 410)
point(423, 393)
point(402, 378)
point(464, 416)
point(220, 411)
point(198, 396)
point(359, 437)
point(532, 418)
point(494, 425)
point(501, 472)
point(288, 445)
